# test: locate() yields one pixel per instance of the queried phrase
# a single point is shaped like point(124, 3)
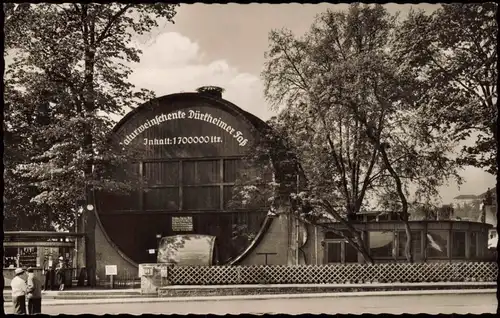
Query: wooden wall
point(190, 150)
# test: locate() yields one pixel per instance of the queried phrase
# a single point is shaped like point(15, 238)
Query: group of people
point(55, 275)
point(30, 287)
point(26, 288)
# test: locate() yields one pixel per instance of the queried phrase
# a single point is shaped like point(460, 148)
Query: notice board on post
point(111, 270)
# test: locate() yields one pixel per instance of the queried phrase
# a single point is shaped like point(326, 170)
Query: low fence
point(331, 274)
point(122, 281)
point(77, 277)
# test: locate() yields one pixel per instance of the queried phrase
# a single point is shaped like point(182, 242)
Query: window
point(28, 257)
point(473, 245)
point(458, 244)
point(416, 242)
point(381, 243)
point(335, 244)
point(437, 244)
point(334, 252)
point(340, 252)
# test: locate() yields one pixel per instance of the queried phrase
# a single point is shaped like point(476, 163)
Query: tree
point(349, 110)
point(454, 52)
point(68, 66)
point(76, 54)
point(20, 145)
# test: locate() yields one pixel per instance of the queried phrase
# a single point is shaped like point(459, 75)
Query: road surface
point(430, 304)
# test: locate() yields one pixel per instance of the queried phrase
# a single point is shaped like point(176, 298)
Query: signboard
point(148, 271)
point(182, 223)
point(188, 114)
point(111, 270)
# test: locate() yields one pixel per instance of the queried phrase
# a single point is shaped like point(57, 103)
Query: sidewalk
point(239, 292)
point(83, 291)
point(346, 285)
point(156, 299)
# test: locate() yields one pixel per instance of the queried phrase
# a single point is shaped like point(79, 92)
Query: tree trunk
point(404, 203)
point(88, 109)
point(408, 245)
point(356, 241)
point(375, 139)
point(361, 247)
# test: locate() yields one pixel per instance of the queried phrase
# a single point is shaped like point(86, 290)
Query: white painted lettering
point(190, 114)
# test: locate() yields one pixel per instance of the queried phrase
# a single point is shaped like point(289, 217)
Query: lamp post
point(158, 238)
point(82, 209)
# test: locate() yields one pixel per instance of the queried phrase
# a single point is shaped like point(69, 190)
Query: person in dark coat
point(34, 293)
point(61, 273)
point(48, 270)
point(18, 285)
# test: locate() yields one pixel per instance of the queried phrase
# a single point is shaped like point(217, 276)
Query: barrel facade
point(190, 150)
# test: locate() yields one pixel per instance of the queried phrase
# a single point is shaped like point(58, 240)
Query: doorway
point(340, 252)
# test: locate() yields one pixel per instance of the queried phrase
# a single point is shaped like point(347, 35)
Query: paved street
point(432, 304)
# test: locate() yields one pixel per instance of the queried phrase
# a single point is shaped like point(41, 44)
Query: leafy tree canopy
point(354, 114)
point(67, 75)
point(454, 52)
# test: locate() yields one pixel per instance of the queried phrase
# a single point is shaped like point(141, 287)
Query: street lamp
point(158, 238)
point(82, 208)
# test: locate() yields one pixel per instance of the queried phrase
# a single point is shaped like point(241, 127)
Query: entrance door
point(340, 252)
point(333, 252)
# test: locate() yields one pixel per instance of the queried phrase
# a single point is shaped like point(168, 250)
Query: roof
point(466, 197)
point(171, 98)
point(477, 197)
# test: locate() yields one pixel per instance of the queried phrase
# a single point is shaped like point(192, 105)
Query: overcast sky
point(224, 45)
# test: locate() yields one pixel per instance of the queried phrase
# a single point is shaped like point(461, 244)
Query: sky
point(224, 45)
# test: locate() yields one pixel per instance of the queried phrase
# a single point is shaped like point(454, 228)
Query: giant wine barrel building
point(190, 150)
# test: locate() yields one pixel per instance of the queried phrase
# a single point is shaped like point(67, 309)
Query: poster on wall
point(182, 223)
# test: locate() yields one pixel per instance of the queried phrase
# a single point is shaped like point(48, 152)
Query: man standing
point(49, 273)
point(18, 286)
point(34, 293)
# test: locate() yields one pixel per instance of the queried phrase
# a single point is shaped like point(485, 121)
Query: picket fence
point(330, 274)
